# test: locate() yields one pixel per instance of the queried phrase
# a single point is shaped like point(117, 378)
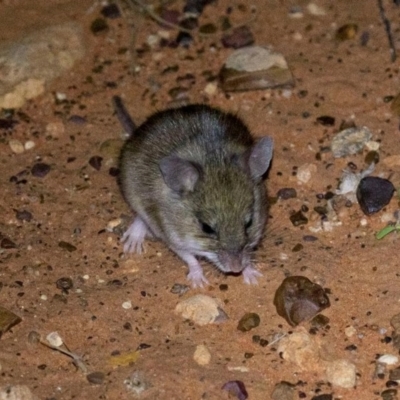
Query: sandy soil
point(75, 203)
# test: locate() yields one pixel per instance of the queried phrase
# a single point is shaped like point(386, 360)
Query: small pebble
point(201, 309)
point(287, 193)
point(236, 389)
point(67, 246)
point(127, 305)
point(389, 394)
point(54, 339)
point(341, 373)
point(322, 397)
point(239, 37)
point(23, 215)
point(99, 25)
point(29, 145)
point(179, 289)
point(96, 378)
point(305, 172)
point(326, 120)
point(16, 146)
point(248, 321)
point(374, 193)
point(7, 244)
point(77, 119)
point(316, 10)
point(394, 374)
point(346, 32)
point(283, 391)
point(111, 11)
point(96, 162)
point(350, 141)
point(298, 218)
point(388, 359)
point(16, 392)
point(298, 299)
point(65, 284)
point(8, 319)
point(55, 129)
point(202, 355)
point(40, 170)
point(33, 337)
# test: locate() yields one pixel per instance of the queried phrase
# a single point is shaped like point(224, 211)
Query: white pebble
point(210, 89)
point(113, 224)
point(363, 222)
point(55, 129)
point(61, 96)
point(16, 146)
point(202, 355)
point(29, 145)
point(305, 173)
point(316, 10)
point(54, 339)
point(388, 359)
point(43, 297)
point(85, 277)
point(127, 305)
point(350, 331)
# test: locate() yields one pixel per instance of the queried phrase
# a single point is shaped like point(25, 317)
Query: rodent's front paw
point(250, 275)
point(197, 278)
point(134, 236)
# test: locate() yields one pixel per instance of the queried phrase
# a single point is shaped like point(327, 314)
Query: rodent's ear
point(179, 175)
point(260, 157)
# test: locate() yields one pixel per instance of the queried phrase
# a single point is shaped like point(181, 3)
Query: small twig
point(162, 21)
point(388, 30)
point(278, 339)
point(77, 360)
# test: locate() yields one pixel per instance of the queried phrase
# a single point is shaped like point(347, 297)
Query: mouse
point(193, 175)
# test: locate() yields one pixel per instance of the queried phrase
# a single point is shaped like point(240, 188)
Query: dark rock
point(96, 378)
point(248, 322)
point(111, 11)
point(236, 389)
point(23, 215)
point(67, 246)
point(326, 120)
point(298, 299)
point(287, 193)
point(95, 162)
point(298, 218)
point(374, 193)
point(283, 391)
point(40, 170)
point(238, 38)
point(99, 25)
point(389, 394)
point(64, 284)
point(323, 397)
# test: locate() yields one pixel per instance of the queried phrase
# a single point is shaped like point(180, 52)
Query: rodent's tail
point(123, 115)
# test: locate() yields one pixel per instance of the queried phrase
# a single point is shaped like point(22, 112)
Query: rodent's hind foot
point(134, 236)
point(250, 275)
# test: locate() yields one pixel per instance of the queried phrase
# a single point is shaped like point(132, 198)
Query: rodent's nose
point(232, 261)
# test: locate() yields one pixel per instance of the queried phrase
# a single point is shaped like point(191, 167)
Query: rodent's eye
point(249, 223)
point(207, 228)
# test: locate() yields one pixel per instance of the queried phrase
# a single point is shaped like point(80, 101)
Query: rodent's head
point(222, 206)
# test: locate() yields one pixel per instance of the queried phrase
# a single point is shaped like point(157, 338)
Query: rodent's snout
point(232, 261)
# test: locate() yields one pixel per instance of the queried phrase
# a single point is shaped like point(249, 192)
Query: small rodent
point(193, 175)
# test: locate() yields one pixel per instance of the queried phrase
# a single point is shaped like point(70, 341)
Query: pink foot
point(134, 236)
point(250, 275)
point(195, 275)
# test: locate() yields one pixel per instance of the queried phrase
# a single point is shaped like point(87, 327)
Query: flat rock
point(28, 64)
point(201, 309)
point(255, 67)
